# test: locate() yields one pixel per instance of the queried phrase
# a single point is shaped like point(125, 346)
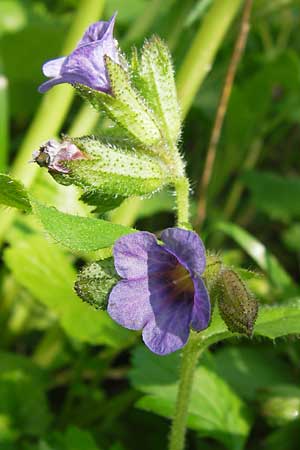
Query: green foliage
point(23, 409)
point(116, 171)
point(46, 272)
point(157, 378)
point(280, 405)
point(272, 322)
point(95, 281)
point(74, 439)
point(275, 195)
point(158, 87)
point(13, 193)
point(102, 202)
point(291, 237)
point(81, 400)
point(124, 109)
point(80, 234)
point(31, 27)
point(264, 259)
point(248, 369)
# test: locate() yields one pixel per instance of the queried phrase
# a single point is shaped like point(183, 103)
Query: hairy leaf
point(83, 234)
point(13, 193)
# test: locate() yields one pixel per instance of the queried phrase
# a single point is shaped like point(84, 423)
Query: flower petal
point(138, 255)
point(44, 87)
point(52, 68)
point(169, 328)
point(85, 65)
point(98, 30)
point(187, 247)
point(129, 304)
point(201, 307)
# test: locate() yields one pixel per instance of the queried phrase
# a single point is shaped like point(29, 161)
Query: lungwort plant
point(168, 285)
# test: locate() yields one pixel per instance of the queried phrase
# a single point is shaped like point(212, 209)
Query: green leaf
point(83, 234)
point(277, 196)
point(13, 193)
point(102, 202)
point(23, 400)
point(124, 107)
point(76, 439)
point(72, 439)
point(291, 237)
point(279, 320)
point(116, 171)
point(286, 438)
point(264, 259)
point(248, 369)
point(211, 398)
point(46, 272)
point(159, 88)
point(272, 322)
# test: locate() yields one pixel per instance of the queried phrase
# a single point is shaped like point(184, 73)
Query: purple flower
point(161, 292)
point(52, 155)
point(85, 65)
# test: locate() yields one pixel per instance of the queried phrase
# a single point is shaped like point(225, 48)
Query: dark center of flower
point(43, 159)
point(181, 280)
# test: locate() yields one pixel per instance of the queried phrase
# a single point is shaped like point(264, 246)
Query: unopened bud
point(53, 154)
point(95, 282)
point(237, 305)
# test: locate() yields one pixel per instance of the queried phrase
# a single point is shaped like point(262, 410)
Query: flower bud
point(280, 405)
point(106, 173)
point(53, 154)
point(237, 305)
point(95, 282)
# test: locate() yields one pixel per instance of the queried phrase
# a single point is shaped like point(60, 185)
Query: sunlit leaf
point(79, 233)
point(211, 398)
point(12, 193)
point(48, 275)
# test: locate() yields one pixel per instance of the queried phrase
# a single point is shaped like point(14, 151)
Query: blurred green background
point(70, 379)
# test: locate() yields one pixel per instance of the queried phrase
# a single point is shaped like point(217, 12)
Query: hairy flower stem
point(191, 354)
point(182, 198)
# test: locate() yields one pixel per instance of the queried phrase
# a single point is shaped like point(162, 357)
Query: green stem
point(182, 198)
point(190, 358)
point(4, 120)
point(202, 52)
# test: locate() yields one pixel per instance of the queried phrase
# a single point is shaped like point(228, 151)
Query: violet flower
point(52, 155)
point(85, 65)
point(161, 292)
